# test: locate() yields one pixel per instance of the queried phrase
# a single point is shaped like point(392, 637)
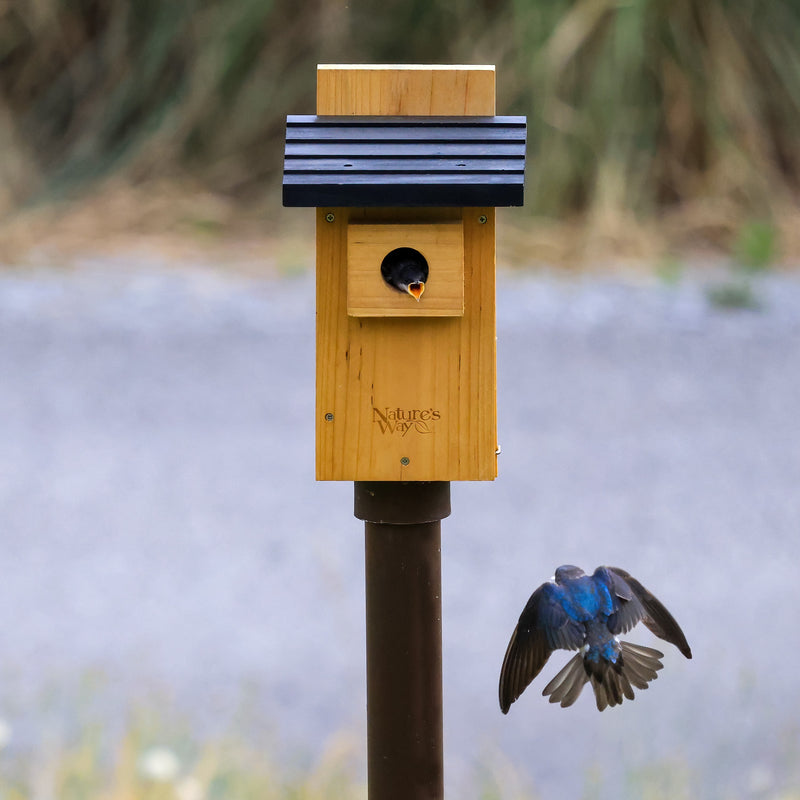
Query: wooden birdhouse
point(405, 166)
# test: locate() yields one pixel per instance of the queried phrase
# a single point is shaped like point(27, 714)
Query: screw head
point(405, 461)
point(329, 417)
point(330, 217)
point(483, 219)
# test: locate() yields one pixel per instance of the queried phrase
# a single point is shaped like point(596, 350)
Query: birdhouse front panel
point(407, 397)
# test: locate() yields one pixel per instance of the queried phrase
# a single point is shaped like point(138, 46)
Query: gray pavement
point(161, 527)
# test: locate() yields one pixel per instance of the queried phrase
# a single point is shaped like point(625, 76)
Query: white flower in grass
point(159, 764)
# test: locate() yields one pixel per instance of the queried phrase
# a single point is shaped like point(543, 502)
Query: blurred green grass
point(676, 118)
point(88, 769)
point(152, 758)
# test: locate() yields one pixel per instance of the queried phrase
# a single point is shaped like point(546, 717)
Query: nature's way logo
point(402, 420)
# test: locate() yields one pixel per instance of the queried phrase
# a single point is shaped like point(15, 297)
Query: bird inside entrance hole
point(583, 612)
point(406, 270)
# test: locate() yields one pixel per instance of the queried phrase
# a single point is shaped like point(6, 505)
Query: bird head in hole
point(405, 270)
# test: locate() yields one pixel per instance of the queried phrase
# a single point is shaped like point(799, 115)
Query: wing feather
point(655, 616)
point(543, 626)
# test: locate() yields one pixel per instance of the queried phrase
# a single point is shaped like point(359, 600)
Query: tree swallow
point(584, 612)
point(406, 270)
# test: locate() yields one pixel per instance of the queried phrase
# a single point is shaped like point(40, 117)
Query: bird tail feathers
point(636, 666)
point(567, 685)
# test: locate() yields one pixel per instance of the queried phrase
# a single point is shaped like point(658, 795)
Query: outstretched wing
point(644, 606)
point(543, 626)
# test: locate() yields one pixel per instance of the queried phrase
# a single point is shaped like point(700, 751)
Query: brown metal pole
point(404, 637)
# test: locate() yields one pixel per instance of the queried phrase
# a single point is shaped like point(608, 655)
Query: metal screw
point(483, 219)
point(405, 461)
point(330, 217)
point(329, 417)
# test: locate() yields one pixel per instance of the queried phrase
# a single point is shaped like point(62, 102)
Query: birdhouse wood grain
point(405, 166)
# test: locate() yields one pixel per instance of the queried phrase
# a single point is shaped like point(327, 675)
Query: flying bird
point(576, 611)
point(406, 270)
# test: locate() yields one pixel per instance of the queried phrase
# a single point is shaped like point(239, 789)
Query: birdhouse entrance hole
point(406, 270)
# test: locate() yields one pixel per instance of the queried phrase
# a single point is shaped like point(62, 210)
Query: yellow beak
point(416, 290)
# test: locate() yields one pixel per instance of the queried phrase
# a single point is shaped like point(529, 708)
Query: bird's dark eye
point(404, 266)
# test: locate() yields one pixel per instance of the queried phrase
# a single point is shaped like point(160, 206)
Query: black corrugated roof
point(404, 161)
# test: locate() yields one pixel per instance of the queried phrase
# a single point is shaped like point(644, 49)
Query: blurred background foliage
point(679, 114)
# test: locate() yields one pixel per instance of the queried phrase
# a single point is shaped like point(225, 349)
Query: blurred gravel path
point(160, 522)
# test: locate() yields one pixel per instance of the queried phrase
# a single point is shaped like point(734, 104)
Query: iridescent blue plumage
point(587, 612)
